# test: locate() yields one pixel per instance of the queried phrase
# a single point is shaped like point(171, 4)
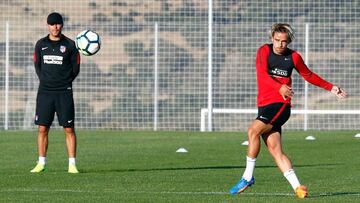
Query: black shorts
point(275, 114)
point(47, 103)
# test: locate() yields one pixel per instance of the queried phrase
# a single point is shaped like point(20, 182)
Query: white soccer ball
point(88, 42)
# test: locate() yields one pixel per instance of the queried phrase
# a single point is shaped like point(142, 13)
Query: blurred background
point(152, 70)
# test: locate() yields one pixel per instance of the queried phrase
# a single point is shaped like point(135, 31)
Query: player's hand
point(286, 92)
point(340, 93)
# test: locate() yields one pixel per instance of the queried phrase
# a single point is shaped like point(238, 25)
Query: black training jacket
point(57, 63)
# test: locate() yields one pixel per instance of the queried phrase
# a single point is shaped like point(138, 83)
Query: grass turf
point(121, 166)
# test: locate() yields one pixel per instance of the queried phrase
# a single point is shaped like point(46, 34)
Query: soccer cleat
point(38, 168)
point(301, 192)
point(241, 186)
point(72, 169)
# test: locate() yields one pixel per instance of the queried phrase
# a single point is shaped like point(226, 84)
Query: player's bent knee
point(253, 132)
point(277, 154)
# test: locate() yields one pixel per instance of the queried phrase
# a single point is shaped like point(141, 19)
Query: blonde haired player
point(274, 65)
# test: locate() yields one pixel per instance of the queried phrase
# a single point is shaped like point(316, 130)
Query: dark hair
point(54, 18)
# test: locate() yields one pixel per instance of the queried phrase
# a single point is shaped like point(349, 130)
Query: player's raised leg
point(256, 129)
point(274, 145)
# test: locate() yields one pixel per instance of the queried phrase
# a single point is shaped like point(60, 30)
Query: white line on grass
point(140, 192)
point(171, 192)
point(216, 193)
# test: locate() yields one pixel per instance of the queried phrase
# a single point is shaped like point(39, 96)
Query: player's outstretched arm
point(340, 93)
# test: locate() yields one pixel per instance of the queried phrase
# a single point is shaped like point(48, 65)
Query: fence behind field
point(157, 57)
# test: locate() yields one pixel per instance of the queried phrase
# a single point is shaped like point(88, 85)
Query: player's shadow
point(159, 169)
point(334, 194)
point(193, 168)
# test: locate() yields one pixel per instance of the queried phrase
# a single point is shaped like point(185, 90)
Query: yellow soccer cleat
point(72, 169)
point(301, 192)
point(38, 168)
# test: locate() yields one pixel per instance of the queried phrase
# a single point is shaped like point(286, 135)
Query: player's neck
point(55, 38)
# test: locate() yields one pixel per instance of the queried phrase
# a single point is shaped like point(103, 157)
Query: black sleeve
point(37, 59)
point(75, 61)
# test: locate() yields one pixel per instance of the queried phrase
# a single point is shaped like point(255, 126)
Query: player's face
point(280, 42)
point(55, 30)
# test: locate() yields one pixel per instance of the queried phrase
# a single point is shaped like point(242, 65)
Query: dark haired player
point(274, 65)
point(57, 63)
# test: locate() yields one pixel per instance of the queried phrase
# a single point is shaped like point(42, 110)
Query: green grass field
point(120, 166)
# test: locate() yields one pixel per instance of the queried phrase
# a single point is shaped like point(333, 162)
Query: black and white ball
point(88, 42)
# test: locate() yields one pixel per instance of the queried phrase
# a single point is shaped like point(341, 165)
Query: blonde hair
point(284, 28)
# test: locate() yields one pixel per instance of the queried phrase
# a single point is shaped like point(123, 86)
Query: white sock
point(292, 178)
point(249, 170)
point(72, 161)
point(42, 160)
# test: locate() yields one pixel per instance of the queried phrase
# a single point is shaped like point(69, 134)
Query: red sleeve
point(262, 68)
point(307, 74)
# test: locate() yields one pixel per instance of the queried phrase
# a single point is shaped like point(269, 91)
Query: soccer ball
point(88, 42)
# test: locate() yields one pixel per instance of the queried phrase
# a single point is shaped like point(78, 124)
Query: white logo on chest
point(280, 72)
point(53, 59)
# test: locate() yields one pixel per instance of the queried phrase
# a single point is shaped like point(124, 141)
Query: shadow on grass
point(191, 168)
point(330, 194)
